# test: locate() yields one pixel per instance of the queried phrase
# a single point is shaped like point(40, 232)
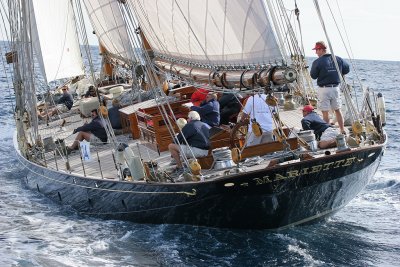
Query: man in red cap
point(324, 70)
point(323, 131)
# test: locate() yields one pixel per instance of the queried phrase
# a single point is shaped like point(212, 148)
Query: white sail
point(211, 32)
point(108, 23)
point(55, 40)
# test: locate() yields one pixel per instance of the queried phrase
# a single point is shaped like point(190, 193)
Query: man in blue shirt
point(113, 115)
point(324, 70)
point(65, 104)
point(209, 110)
point(197, 135)
point(324, 132)
point(93, 132)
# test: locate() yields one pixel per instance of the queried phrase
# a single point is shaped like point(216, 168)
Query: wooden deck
point(103, 164)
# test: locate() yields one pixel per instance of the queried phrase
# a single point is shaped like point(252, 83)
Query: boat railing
point(98, 162)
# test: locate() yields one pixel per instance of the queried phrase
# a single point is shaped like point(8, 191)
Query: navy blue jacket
point(312, 121)
point(67, 100)
point(197, 134)
point(209, 112)
point(229, 101)
point(323, 69)
point(113, 115)
point(95, 127)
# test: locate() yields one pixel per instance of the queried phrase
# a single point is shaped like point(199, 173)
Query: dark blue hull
point(266, 199)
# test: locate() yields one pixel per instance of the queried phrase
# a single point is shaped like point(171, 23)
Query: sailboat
point(170, 49)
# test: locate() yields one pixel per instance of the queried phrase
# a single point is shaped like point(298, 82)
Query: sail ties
point(231, 77)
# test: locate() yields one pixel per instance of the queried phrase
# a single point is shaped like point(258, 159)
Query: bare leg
point(46, 115)
point(53, 112)
point(80, 137)
point(339, 118)
point(325, 116)
point(175, 153)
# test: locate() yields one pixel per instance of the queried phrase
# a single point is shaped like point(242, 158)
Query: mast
point(107, 67)
point(23, 81)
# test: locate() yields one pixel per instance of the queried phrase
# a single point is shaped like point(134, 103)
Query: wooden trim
point(252, 151)
point(262, 149)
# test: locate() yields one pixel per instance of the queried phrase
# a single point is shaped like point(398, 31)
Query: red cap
point(319, 45)
point(308, 108)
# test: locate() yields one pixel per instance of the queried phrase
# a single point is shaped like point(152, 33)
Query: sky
point(372, 27)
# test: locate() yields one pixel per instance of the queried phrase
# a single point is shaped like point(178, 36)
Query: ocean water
point(34, 231)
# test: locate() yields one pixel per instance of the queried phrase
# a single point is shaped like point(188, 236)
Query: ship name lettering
point(349, 161)
point(304, 171)
point(263, 180)
point(327, 166)
point(279, 177)
point(308, 170)
point(337, 163)
point(293, 173)
point(316, 168)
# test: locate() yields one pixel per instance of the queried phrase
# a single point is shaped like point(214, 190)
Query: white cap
point(194, 115)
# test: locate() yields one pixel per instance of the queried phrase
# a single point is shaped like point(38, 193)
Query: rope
point(342, 80)
point(192, 193)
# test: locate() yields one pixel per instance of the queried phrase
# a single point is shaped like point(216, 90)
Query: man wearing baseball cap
point(324, 70)
point(324, 132)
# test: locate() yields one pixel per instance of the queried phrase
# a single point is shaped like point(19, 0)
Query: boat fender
point(256, 127)
point(136, 167)
point(120, 157)
point(128, 152)
point(134, 164)
point(195, 167)
point(381, 110)
point(357, 127)
point(104, 111)
point(236, 155)
point(120, 153)
point(165, 87)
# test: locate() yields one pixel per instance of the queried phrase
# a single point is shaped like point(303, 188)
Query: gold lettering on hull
point(308, 170)
point(263, 180)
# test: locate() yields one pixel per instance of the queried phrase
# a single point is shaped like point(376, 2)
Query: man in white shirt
point(256, 108)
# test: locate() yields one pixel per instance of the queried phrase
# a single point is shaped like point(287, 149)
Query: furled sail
point(111, 29)
point(209, 32)
point(55, 39)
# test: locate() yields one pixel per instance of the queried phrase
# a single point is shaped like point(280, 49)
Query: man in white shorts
point(324, 132)
point(324, 70)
